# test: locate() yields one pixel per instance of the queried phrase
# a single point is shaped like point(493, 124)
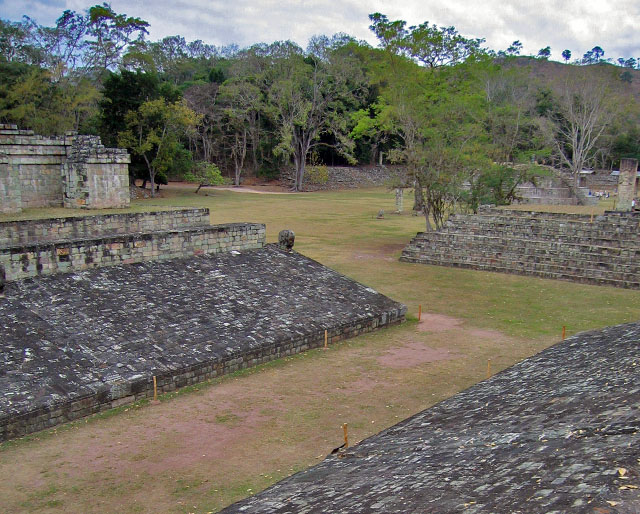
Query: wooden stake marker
point(155, 389)
point(326, 339)
point(564, 331)
point(489, 368)
point(346, 436)
point(419, 312)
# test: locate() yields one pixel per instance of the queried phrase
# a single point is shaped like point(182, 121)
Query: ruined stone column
point(627, 184)
point(399, 198)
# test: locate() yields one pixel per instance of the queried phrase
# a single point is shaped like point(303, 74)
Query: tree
point(566, 55)
point(154, 131)
point(598, 52)
point(311, 96)
point(429, 45)
point(371, 125)
point(593, 56)
point(111, 34)
point(433, 110)
point(515, 48)
point(544, 53)
point(584, 108)
point(242, 102)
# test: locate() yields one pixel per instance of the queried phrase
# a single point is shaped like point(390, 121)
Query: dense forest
point(451, 111)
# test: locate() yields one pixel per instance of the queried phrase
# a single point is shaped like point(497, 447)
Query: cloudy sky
point(578, 25)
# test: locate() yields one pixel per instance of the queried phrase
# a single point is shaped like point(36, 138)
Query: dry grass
point(216, 443)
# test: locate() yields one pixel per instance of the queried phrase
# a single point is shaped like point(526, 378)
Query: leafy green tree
point(544, 53)
point(429, 45)
point(435, 110)
point(371, 124)
point(242, 102)
point(111, 34)
point(566, 55)
point(154, 131)
point(310, 96)
point(515, 48)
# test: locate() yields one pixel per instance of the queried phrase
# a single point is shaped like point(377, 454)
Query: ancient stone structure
point(71, 171)
point(43, 247)
point(75, 344)
point(558, 432)
point(597, 250)
point(546, 191)
point(286, 239)
point(556, 190)
point(627, 184)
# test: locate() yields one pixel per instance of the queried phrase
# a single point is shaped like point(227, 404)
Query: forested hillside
point(448, 109)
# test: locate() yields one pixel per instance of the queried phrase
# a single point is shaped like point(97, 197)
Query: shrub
point(318, 174)
point(205, 172)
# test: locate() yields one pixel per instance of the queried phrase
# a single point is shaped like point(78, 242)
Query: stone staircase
point(601, 250)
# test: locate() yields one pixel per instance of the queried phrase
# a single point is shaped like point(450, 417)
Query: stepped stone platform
point(555, 433)
point(35, 248)
point(603, 250)
point(78, 343)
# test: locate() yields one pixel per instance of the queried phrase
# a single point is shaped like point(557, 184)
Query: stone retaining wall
point(603, 250)
point(71, 255)
point(51, 229)
point(128, 392)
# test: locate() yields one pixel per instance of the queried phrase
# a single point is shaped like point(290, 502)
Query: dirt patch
point(270, 189)
point(413, 354)
point(261, 190)
point(384, 252)
point(437, 323)
point(487, 334)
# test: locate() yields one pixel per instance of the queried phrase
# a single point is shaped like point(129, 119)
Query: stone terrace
point(602, 250)
point(75, 344)
point(557, 432)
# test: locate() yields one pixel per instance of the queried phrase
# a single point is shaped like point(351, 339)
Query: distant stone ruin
point(627, 184)
point(596, 250)
point(70, 171)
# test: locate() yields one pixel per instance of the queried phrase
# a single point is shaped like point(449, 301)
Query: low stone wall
point(603, 250)
point(25, 232)
point(64, 256)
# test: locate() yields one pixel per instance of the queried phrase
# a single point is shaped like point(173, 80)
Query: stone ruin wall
point(71, 171)
point(627, 184)
point(603, 250)
point(24, 232)
point(59, 245)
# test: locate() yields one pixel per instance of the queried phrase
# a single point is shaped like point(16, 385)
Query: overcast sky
point(577, 25)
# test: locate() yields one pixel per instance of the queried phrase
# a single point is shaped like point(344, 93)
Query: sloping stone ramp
point(79, 343)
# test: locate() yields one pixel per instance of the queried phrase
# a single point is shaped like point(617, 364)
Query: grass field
point(208, 446)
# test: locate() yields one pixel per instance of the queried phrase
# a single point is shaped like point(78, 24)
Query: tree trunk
point(418, 198)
